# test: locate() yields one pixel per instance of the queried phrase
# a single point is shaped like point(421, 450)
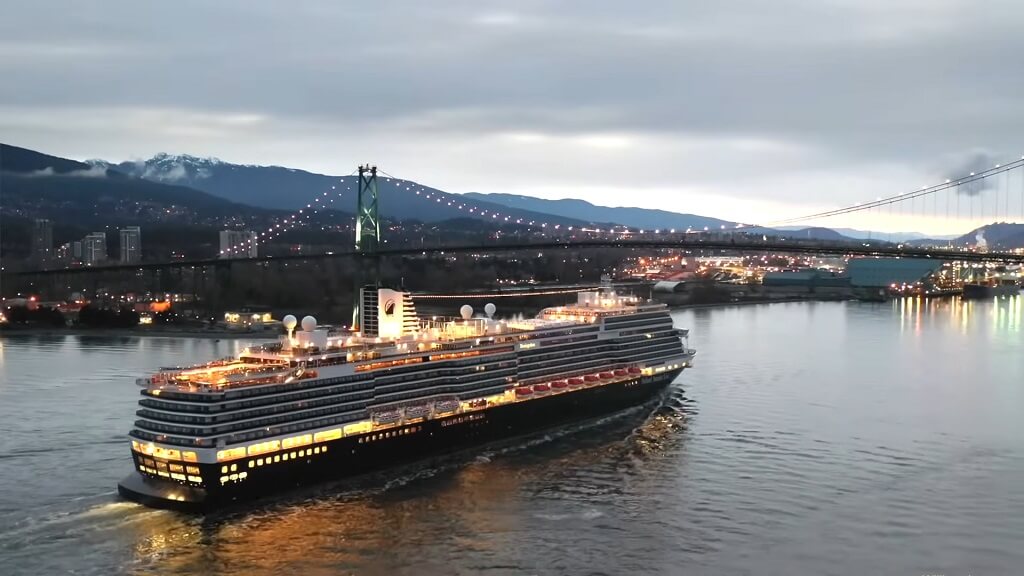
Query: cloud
point(793, 105)
point(172, 173)
point(90, 172)
point(972, 162)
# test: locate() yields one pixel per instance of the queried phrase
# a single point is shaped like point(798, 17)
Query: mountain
point(995, 236)
point(290, 189)
point(38, 185)
point(855, 234)
point(645, 218)
point(79, 198)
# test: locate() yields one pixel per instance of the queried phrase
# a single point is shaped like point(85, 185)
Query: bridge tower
point(367, 217)
point(367, 237)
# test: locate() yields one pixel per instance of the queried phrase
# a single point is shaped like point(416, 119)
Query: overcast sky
point(740, 109)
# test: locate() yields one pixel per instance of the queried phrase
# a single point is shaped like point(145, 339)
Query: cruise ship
point(323, 403)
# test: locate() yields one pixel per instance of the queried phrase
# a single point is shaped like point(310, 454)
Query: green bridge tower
point(367, 236)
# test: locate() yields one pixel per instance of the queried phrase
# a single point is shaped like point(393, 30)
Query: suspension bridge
point(964, 203)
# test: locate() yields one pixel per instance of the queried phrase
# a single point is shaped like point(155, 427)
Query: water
point(812, 438)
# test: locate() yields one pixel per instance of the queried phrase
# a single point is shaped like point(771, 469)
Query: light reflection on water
point(824, 438)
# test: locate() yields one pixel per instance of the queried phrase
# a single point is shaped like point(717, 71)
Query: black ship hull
point(980, 291)
point(409, 442)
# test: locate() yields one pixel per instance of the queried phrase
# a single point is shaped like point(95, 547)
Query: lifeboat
point(541, 388)
point(386, 417)
point(620, 372)
point(446, 406)
point(524, 391)
point(606, 375)
point(417, 411)
point(590, 378)
point(575, 381)
point(559, 384)
point(634, 370)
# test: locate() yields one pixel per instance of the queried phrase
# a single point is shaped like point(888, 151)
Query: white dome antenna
point(289, 323)
point(489, 309)
point(309, 323)
point(466, 311)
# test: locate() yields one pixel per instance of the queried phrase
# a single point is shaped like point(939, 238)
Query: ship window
point(161, 465)
point(176, 468)
point(292, 456)
point(277, 458)
point(259, 461)
point(252, 464)
point(323, 449)
point(223, 479)
point(234, 467)
point(316, 450)
point(284, 457)
point(243, 475)
point(223, 469)
point(302, 453)
point(234, 477)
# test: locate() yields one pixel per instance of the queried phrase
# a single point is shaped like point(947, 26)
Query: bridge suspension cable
point(320, 202)
point(905, 196)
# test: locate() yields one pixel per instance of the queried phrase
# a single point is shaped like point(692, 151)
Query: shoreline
point(269, 335)
point(159, 333)
point(755, 302)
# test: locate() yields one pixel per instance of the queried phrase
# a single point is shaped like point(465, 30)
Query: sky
point(741, 109)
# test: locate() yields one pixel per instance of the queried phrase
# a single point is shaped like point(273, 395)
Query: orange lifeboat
point(590, 378)
point(525, 391)
point(559, 384)
point(607, 375)
point(620, 372)
point(541, 388)
point(634, 370)
point(575, 381)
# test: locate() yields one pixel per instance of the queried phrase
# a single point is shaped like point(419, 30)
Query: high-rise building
point(63, 253)
point(131, 244)
point(237, 244)
point(42, 241)
point(94, 249)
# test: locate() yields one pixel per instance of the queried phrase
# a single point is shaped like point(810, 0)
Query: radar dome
point(289, 322)
point(489, 309)
point(309, 323)
point(466, 311)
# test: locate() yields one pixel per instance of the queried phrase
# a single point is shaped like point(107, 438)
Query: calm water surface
point(812, 438)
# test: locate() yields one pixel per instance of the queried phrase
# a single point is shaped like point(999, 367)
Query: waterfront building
point(94, 249)
point(238, 244)
point(131, 244)
point(42, 241)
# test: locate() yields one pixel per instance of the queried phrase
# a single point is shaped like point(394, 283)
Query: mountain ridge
point(286, 188)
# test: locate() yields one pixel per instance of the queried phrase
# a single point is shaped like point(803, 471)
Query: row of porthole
point(234, 477)
point(284, 457)
point(195, 479)
point(391, 434)
point(462, 419)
